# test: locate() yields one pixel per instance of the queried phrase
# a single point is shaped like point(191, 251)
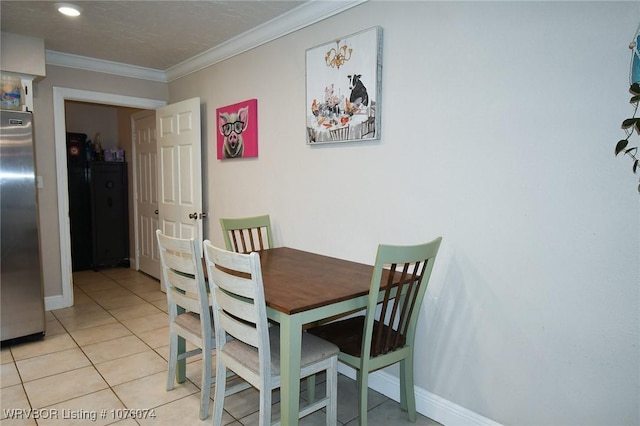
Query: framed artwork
point(237, 130)
point(344, 85)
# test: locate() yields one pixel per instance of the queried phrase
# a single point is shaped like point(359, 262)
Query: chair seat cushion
point(190, 321)
point(314, 349)
point(347, 335)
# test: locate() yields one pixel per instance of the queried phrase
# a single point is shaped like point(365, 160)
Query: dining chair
point(239, 310)
point(369, 127)
point(372, 109)
point(189, 309)
point(311, 135)
point(339, 134)
point(247, 234)
point(385, 334)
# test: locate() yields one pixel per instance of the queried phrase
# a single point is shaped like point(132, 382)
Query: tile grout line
point(103, 308)
point(136, 335)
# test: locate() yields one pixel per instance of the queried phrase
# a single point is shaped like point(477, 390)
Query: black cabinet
point(80, 218)
point(98, 213)
point(109, 213)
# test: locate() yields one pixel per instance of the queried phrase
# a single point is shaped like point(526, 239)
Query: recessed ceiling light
point(68, 9)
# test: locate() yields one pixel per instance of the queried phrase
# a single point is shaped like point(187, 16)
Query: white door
point(179, 170)
point(146, 192)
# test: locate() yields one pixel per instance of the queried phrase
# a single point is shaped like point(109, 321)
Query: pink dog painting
point(238, 130)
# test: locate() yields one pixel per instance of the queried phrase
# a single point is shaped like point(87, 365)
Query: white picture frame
point(343, 89)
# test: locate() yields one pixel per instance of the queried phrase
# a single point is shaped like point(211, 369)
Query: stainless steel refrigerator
point(21, 290)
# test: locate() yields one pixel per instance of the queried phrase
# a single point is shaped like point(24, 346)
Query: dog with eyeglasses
point(231, 126)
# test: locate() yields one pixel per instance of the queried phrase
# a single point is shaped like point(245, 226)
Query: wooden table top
point(296, 281)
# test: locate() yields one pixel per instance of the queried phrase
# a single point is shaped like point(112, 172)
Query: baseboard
point(428, 404)
point(54, 302)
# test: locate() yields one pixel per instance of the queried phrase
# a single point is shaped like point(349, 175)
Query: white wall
point(499, 123)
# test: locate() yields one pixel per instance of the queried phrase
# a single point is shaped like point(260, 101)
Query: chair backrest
point(239, 307)
point(247, 234)
point(339, 134)
point(369, 126)
point(403, 272)
point(183, 276)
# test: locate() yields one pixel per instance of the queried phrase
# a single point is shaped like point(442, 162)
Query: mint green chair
point(385, 335)
point(247, 234)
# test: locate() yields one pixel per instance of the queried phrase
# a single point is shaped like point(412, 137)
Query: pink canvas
point(237, 130)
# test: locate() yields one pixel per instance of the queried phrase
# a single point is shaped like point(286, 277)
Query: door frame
point(60, 95)
point(136, 223)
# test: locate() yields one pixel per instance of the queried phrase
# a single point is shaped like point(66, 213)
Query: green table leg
point(290, 348)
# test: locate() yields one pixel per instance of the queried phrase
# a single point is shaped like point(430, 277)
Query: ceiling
point(152, 34)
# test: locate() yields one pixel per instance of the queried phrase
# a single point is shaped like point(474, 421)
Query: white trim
point(61, 94)
point(55, 302)
point(135, 259)
point(307, 14)
point(98, 65)
point(428, 404)
point(302, 16)
point(134, 168)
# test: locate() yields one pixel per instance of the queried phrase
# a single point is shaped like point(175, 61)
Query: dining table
point(301, 288)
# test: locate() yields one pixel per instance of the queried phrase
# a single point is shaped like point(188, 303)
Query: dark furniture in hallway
point(98, 208)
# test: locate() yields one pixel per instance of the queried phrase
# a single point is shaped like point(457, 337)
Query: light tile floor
point(105, 357)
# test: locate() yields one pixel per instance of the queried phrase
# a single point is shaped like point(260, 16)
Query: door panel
point(144, 127)
point(180, 174)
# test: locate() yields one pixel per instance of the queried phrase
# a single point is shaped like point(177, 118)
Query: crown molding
point(98, 65)
point(304, 15)
point(307, 14)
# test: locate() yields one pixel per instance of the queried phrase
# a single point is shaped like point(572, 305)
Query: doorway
point(60, 95)
point(99, 235)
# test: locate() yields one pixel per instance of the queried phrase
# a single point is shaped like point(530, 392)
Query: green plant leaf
point(631, 150)
point(635, 166)
point(629, 122)
point(635, 99)
point(622, 144)
point(635, 88)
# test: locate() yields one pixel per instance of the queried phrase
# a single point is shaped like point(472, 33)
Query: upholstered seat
point(347, 335)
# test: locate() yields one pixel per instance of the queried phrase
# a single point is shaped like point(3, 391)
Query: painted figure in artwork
point(231, 126)
point(359, 95)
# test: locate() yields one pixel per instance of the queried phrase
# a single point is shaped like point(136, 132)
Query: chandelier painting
point(337, 56)
point(343, 88)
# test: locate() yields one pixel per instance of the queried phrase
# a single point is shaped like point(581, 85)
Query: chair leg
point(332, 392)
point(221, 383)
point(407, 390)
point(311, 388)
point(173, 360)
point(265, 404)
point(363, 387)
point(181, 366)
point(403, 388)
point(205, 383)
